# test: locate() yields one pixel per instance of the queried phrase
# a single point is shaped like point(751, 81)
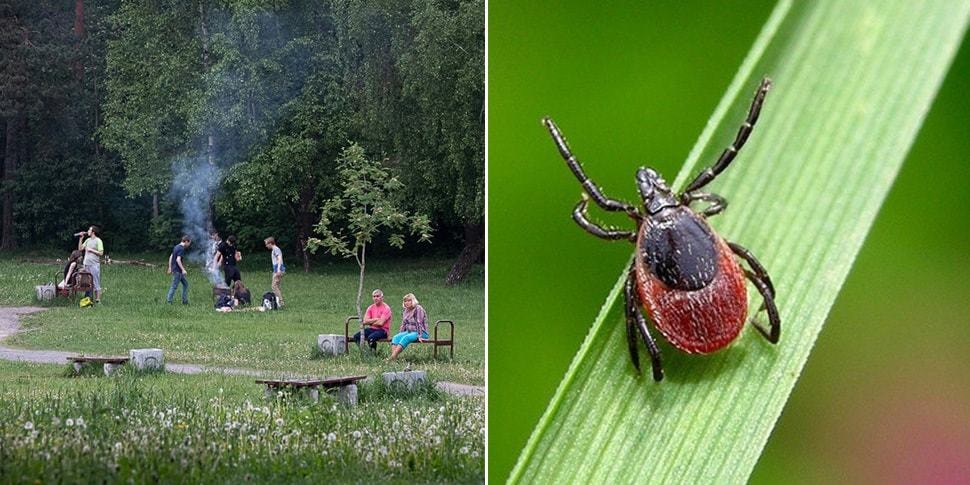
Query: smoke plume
point(193, 185)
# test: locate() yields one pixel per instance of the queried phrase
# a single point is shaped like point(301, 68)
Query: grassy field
point(134, 315)
point(163, 427)
point(218, 428)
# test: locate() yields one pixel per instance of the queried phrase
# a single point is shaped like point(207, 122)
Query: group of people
point(87, 256)
point(225, 256)
point(377, 323)
point(377, 318)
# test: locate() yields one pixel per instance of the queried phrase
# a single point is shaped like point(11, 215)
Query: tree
point(364, 208)
point(443, 70)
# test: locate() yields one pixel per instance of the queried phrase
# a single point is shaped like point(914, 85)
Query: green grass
point(214, 428)
point(853, 82)
point(134, 315)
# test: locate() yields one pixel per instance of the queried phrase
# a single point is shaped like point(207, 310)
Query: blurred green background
point(885, 395)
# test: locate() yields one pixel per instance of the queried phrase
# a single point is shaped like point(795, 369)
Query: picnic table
point(110, 363)
point(346, 386)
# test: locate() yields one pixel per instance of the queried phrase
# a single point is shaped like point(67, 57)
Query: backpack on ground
point(269, 301)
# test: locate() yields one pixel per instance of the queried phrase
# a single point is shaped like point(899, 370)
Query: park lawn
point(134, 315)
point(215, 428)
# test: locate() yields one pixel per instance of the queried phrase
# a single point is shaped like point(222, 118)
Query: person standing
point(93, 248)
point(276, 256)
point(176, 268)
point(377, 321)
point(227, 255)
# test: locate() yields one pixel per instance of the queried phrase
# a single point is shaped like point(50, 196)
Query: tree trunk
point(154, 205)
point(8, 239)
point(79, 35)
point(305, 220)
point(210, 138)
point(473, 250)
point(361, 261)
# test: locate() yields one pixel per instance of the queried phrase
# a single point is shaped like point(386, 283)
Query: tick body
point(687, 278)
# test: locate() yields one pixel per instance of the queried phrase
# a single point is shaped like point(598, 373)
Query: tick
point(686, 276)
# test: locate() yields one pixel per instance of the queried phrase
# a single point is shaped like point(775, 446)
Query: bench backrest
point(84, 281)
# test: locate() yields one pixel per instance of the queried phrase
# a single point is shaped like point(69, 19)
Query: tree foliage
point(279, 87)
point(365, 206)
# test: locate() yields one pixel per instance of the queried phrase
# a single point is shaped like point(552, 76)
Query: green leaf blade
point(853, 82)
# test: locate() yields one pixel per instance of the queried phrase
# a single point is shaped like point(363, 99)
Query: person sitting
point(377, 321)
point(70, 269)
point(241, 293)
point(414, 326)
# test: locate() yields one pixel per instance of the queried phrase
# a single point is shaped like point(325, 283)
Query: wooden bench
point(110, 363)
point(312, 385)
point(83, 283)
point(437, 342)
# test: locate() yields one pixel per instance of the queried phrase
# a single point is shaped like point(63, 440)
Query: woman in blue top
point(414, 326)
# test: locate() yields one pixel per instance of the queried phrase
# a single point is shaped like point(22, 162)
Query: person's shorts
point(95, 271)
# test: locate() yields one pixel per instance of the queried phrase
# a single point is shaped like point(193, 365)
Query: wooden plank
point(101, 360)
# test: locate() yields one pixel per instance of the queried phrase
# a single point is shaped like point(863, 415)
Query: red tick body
point(686, 276)
point(700, 321)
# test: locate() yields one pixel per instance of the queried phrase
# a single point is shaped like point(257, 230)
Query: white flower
point(356, 434)
point(29, 425)
point(80, 421)
point(331, 436)
point(69, 422)
point(279, 421)
point(118, 446)
point(463, 450)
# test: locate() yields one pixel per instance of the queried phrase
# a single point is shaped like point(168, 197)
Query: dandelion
point(80, 421)
point(279, 421)
point(331, 437)
point(463, 450)
point(69, 422)
point(356, 434)
point(29, 425)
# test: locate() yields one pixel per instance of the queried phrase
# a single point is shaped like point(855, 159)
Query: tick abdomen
point(700, 320)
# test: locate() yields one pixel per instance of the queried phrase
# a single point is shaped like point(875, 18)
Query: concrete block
point(330, 344)
point(347, 394)
point(404, 380)
point(147, 359)
point(110, 368)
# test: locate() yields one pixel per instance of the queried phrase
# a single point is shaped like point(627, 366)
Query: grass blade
point(853, 82)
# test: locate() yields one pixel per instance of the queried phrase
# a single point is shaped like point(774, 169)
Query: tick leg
point(601, 200)
point(762, 282)
point(636, 321)
point(727, 156)
point(718, 203)
point(610, 233)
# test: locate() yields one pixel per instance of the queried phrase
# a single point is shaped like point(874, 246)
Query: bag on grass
point(45, 292)
point(269, 301)
point(85, 302)
point(224, 301)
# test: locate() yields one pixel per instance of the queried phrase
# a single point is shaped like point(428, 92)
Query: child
point(276, 257)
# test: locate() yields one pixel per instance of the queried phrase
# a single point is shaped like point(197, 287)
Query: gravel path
point(9, 325)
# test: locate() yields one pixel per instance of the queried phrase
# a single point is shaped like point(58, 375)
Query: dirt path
point(10, 325)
